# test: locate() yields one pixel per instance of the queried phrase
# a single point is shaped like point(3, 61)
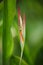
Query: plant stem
point(9, 12)
point(21, 55)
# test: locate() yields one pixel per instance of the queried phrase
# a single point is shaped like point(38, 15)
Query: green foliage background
point(33, 50)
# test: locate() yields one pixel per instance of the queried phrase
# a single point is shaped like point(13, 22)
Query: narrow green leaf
point(15, 61)
point(9, 13)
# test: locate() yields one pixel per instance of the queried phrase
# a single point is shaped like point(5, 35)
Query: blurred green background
point(33, 49)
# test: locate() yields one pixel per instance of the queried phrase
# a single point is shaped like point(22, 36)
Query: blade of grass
point(15, 60)
point(9, 12)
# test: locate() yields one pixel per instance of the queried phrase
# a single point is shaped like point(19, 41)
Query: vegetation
point(10, 43)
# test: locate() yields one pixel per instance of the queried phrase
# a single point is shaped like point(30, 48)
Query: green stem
point(9, 12)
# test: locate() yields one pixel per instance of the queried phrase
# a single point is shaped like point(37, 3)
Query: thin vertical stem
point(21, 56)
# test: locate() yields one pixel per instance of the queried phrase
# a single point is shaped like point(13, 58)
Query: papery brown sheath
point(21, 23)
